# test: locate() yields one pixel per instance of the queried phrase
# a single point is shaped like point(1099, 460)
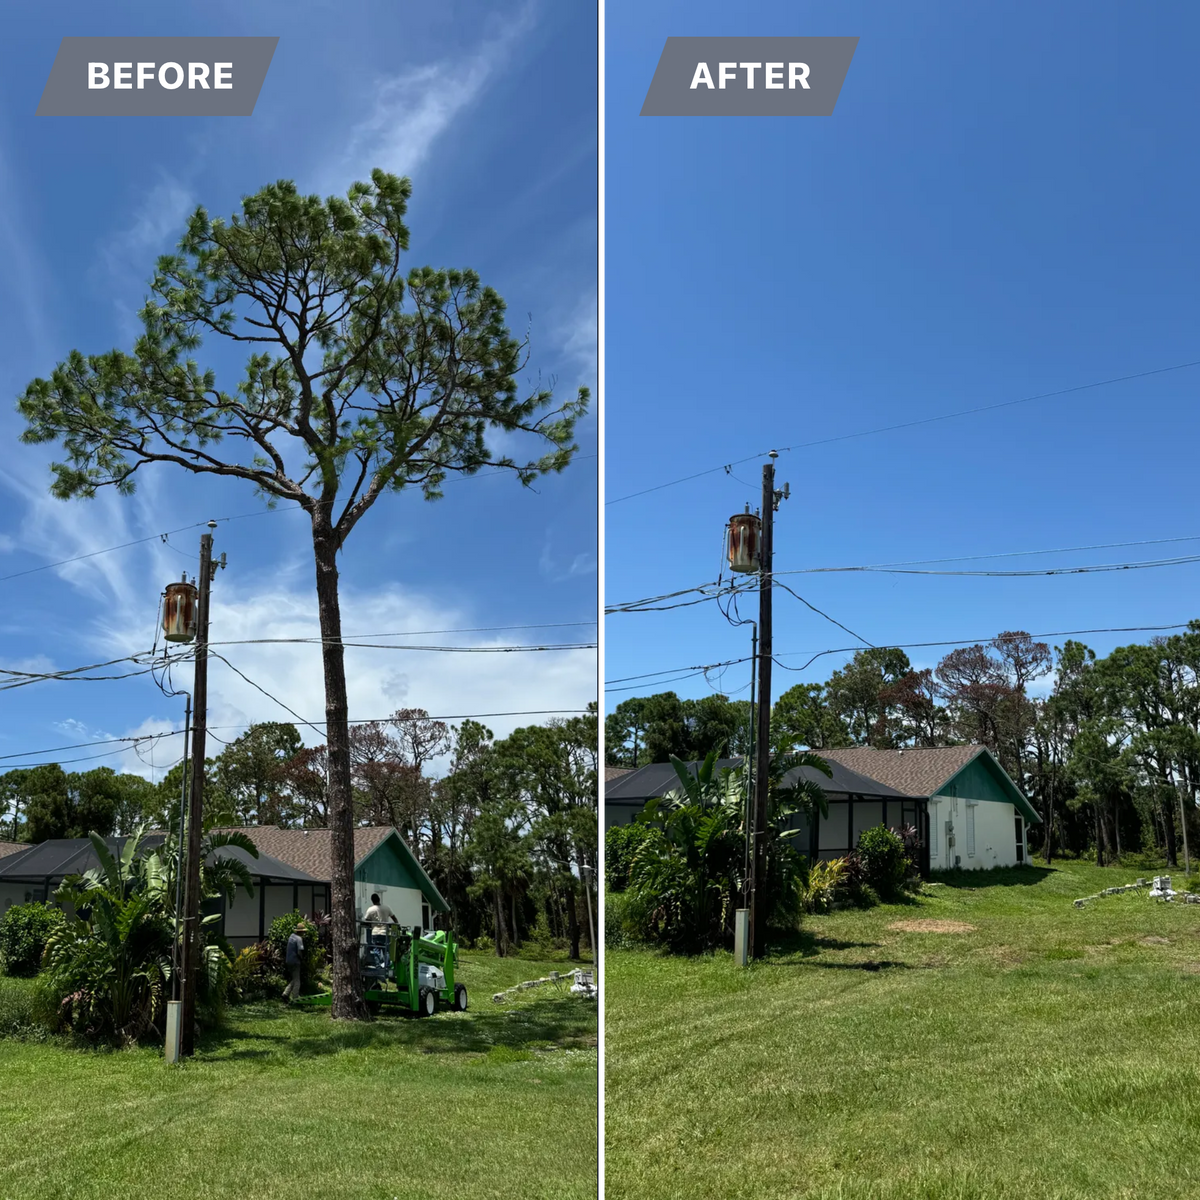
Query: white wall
point(18, 893)
point(994, 840)
point(404, 902)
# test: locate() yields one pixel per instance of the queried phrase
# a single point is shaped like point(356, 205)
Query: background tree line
point(1107, 749)
point(508, 833)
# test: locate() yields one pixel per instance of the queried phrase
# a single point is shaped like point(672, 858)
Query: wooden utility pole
point(191, 889)
point(762, 770)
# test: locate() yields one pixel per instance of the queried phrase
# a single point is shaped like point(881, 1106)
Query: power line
point(924, 562)
point(978, 641)
point(388, 646)
point(201, 524)
point(832, 620)
point(75, 674)
point(264, 691)
point(965, 412)
point(136, 542)
point(733, 589)
point(529, 712)
point(145, 737)
point(1182, 560)
point(699, 670)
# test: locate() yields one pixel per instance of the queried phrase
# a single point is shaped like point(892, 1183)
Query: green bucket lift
point(405, 969)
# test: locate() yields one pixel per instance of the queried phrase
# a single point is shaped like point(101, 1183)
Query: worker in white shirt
point(379, 916)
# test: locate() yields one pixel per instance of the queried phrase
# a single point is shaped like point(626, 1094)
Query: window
point(1020, 841)
point(971, 828)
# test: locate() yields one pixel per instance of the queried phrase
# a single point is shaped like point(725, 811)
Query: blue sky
point(491, 109)
point(1002, 204)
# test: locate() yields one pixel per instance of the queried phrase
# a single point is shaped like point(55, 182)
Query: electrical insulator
point(180, 604)
point(745, 542)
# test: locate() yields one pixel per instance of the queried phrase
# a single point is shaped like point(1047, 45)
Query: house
point(292, 872)
point(626, 790)
point(383, 864)
point(36, 872)
point(978, 817)
point(965, 808)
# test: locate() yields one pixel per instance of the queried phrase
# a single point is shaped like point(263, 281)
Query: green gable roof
point(393, 864)
point(983, 778)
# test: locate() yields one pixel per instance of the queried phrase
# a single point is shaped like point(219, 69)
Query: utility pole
point(179, 859)
point(191, 894)
point(762, 770)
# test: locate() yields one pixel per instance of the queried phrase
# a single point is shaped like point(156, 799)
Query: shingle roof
point(609, 774)
point(7, 848)
point(845, 780)
point(913, 771)
point(309, 849)
point(60, 857)
point(657, 779)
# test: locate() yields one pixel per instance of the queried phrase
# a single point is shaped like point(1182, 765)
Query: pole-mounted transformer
point(180, 610)
point(745, 542)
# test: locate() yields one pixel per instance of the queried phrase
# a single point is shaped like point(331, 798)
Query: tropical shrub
point(313, 960)
point(18, 1011)
point(24, 929)
point(819, 893)
point(884, 862)
point(855, 887)
point(245, 976)
point(686, 867)
point(108, 967)
point(256, 973)
point(913, 844)
point(614, 912)
point(685, 872)
point(620, 844)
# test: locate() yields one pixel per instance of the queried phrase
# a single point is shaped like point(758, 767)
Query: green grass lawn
point(500, 1101)
point(1046, 1053)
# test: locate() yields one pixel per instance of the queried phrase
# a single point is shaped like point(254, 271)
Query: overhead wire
point(529, 712)
point(690, 671)
point(164, 535)
point(965, 412)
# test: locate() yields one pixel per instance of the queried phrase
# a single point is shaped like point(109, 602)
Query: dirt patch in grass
point(1154, 941)
point(930, 925)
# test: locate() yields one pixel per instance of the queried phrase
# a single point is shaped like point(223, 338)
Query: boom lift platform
point(405, 969)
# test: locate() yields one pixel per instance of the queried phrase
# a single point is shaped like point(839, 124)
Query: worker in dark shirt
point(295, 955)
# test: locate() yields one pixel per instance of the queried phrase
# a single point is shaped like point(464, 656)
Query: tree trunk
point(347, 1001)
point(573, 923)
point(498, 917)
point(1168, 820)
point(516, 937)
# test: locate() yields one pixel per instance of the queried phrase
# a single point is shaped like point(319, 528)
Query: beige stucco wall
point(994, 843)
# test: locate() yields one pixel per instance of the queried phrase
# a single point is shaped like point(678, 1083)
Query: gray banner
point(157, 76)
point(749, 76)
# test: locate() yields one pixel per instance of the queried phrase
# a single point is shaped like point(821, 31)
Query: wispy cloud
point(25, 277)
point(558, 569)
point(379, 681)
point(410, 111)
point(579, 337)
point(125, 258)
